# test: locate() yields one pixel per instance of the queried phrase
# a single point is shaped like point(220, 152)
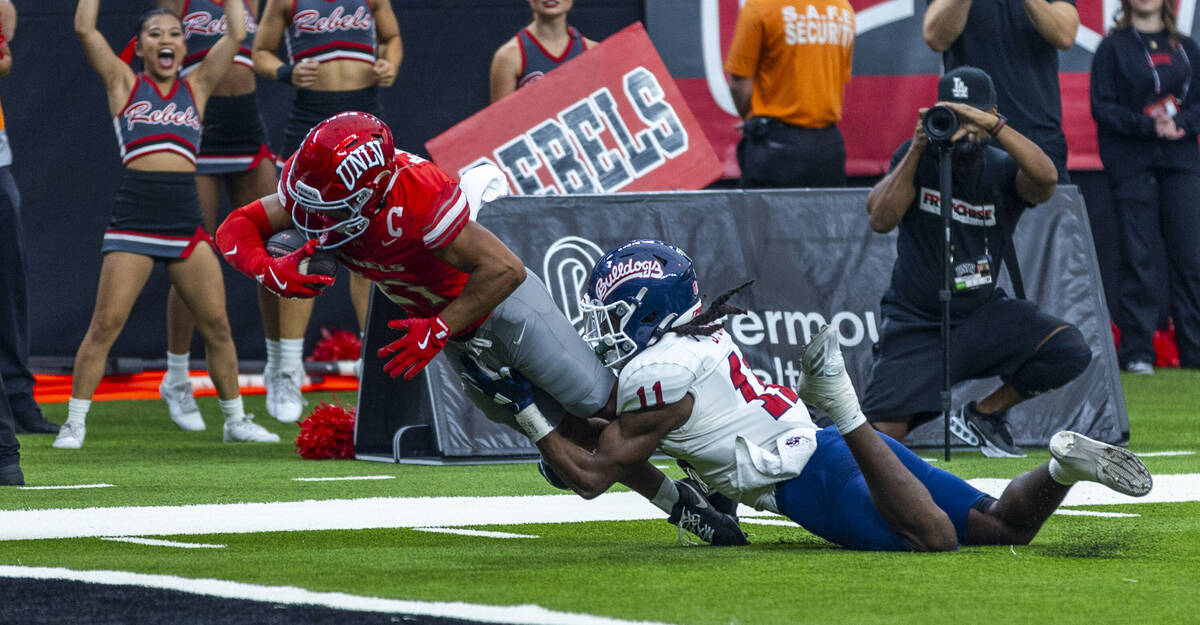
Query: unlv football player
point(405, 224)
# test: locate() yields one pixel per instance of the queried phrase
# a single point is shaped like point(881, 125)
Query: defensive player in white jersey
point(685, 388)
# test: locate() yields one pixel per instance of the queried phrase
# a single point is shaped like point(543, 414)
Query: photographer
point(997, 174)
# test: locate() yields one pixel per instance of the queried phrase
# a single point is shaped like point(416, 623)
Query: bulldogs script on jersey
point(743, 436)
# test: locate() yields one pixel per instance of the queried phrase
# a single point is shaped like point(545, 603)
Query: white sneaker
point(70, 435)
point(1093, 461)
point(1140, 367)
point(247, 431)
point(824, 382)
point(288, 400)
point(271, 383)
point(182, 405)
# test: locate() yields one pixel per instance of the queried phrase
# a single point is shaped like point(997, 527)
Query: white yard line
point(1154, 454)
point(1167, 489)
point(66, 487)
point(154, 542)
point(1116, 515)
point(348, 477)
point(479, 533)
point(785, 522)
point(290, 595)
point(396, 512)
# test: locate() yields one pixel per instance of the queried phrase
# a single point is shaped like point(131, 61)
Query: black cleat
point(693, 513)
point(722, 503)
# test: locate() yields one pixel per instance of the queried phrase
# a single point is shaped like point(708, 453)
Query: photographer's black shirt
point(984, 199)
point(1000, 39)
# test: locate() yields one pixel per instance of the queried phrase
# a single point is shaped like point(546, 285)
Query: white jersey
point(743, 437)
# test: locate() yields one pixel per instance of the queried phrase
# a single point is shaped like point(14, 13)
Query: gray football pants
point(529, 333)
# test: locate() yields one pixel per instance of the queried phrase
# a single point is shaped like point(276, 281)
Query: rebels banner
point(608, 120)
point(895, 73)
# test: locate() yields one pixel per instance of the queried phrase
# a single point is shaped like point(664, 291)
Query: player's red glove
point(240, 239)
point(423, 340)
point(282, 275)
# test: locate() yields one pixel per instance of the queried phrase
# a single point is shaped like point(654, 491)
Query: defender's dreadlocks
point(705, 324)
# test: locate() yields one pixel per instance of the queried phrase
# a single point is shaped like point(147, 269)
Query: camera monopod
point(945, 189)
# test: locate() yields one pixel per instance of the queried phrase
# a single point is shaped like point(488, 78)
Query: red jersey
point(424, 211)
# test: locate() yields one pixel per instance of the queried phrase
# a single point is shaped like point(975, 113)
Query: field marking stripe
point(326, 514)
point(786, 522)
point(348, 477)
point(466, 532)
point(154, 542)
point(397, 512)
point(66, 487)
point(1173, 488)
point(1118, 515)
point(291, 595)
point(1155, 454)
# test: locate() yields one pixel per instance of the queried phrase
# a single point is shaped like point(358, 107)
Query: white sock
point(272, 356)
point(291, 354)
point(77, 409)
point(177, 368)
point(667, 495)
point(1064, 475)
point(233, 409)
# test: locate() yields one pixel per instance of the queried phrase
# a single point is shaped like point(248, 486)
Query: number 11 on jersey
point(658, 396)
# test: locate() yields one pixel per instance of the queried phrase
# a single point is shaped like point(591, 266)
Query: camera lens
point(940, 124)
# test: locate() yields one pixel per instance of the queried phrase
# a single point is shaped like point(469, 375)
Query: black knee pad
point(1059, 360)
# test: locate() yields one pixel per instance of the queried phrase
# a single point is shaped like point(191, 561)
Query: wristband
point(535, 425)
point(1000, 121)
point(283, 73)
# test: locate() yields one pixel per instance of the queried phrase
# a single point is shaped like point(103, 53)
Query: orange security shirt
point(799, 53)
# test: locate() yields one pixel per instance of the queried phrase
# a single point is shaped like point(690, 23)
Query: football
point(285, 242)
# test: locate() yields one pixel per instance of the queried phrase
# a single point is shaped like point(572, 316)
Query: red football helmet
point(338, 176)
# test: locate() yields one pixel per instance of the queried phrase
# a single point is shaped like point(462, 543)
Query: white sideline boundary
point(292, 595)
point(462, 512)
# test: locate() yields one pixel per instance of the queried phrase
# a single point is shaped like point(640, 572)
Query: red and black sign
point(608, 120)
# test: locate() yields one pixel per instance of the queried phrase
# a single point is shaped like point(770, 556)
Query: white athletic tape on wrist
point(846, 426)
point(535, 425)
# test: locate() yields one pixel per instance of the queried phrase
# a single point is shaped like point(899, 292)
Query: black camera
point(940, 123)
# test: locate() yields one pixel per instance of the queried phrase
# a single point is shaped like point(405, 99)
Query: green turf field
point(1080, 569)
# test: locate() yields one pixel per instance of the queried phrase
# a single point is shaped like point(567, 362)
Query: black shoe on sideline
point(33, 423)
point(10, 475)
point(995, 439)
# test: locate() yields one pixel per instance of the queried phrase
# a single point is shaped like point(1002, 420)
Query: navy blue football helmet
point(637, 293)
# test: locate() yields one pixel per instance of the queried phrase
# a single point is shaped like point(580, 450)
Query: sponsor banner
point(816, 262)
point(895, 73)
point(608, 120)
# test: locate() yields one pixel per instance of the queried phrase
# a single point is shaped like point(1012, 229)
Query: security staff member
point(790, 61)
